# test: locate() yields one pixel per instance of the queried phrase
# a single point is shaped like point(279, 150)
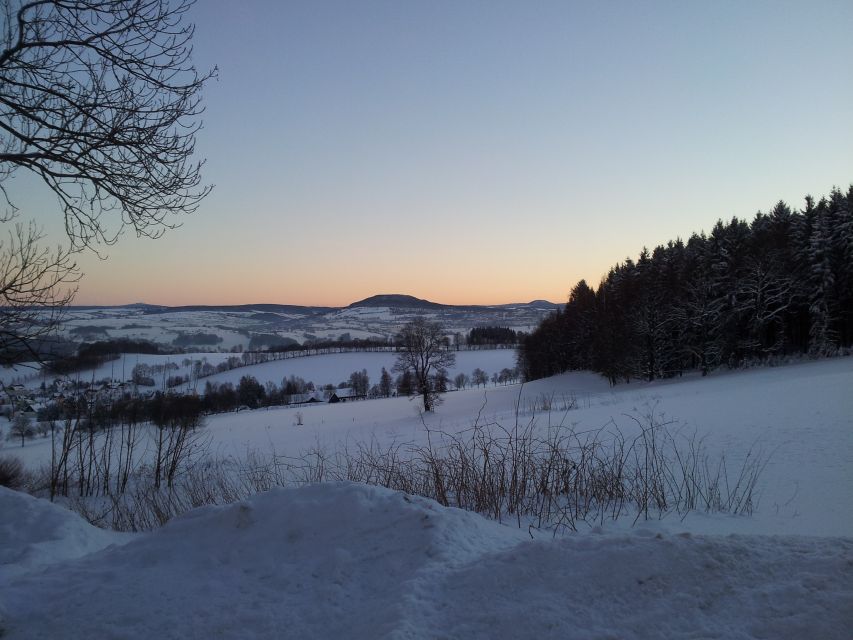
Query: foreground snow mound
point(317, 561)
point(352, 561)
point(35, 533)
point(655, 586)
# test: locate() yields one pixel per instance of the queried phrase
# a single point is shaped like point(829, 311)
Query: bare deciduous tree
point(101, 101)
point(461, 380)
point(424, 350)
point(35, 286)
point(479, 377)
point(22, 427)
point(359, 381)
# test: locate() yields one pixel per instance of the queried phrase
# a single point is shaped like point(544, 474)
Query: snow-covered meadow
point(320, 369)
point(225, 328)
point(337, 367)
point(344, 560)
point(800, 416)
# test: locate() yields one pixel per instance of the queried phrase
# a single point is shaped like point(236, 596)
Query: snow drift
point(36, 533)
point(345, 560)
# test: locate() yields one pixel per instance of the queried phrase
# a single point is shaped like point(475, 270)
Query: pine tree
point(822, 281)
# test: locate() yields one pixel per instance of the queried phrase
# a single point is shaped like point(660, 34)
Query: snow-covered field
point(320, 369)
point(337, 367)
point(235, 326)
point(134, 324)
point(120, 369)
point(801, 416)
point(343, 560)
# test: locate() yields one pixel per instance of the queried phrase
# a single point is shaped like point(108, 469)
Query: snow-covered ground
point(235, 326)
point(343, 560)
point(120, 369)
point(320, 369)
point(351, 561)
point(337, 367)
point(135, 324)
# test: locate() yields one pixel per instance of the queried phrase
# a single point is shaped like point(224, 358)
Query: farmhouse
point(306, 398)
point(345, 394)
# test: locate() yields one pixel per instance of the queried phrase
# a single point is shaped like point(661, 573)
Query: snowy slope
point(801, 416)
point(349, 561)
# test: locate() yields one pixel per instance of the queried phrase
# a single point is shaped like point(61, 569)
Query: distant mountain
point(258, 308)
point(535, 305)
point(394, 300)
point(542, 304)
point(133, 305)
point(397, 300)
point(251, 326)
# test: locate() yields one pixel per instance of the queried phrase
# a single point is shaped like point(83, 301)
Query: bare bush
point(556, 479)
point(12, 473)
point(548, 402)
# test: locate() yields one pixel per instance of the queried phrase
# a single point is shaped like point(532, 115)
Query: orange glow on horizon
point(330, 300)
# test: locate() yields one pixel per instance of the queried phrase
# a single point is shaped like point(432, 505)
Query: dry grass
point(555, 478)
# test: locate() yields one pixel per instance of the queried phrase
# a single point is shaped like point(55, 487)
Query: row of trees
point(479, 377)
point(780, 285)
point(249, 392)
point(103, 413)
point(106, 411)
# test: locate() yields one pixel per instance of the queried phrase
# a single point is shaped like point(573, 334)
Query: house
point(345, 394)
point(26, 408)
point(306, 398)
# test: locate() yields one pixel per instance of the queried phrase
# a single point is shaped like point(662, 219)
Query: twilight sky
point(483, 152)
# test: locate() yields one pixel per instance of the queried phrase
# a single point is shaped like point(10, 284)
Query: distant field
point(236, 326)
point(335, 368)
point(321, 369)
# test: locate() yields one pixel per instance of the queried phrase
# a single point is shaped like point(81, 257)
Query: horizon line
point(292, 304)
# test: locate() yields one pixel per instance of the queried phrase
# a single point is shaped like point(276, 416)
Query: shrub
point(556, 480)
point(12, 473)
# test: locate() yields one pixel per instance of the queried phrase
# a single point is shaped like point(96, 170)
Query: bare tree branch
point(100, 99)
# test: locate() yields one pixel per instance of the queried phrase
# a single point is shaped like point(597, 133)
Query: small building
point(306, 398)
point(345, 394)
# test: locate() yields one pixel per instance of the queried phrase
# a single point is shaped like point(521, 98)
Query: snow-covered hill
point(226, 327)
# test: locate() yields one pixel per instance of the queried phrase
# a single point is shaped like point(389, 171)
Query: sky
point(482, 152)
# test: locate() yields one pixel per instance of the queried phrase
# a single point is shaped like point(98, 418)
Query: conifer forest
point(779, 286)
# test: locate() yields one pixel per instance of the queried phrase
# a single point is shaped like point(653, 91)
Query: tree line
point(163, 408)
point(94, 354)
point(493, 336)
point(745, 292)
